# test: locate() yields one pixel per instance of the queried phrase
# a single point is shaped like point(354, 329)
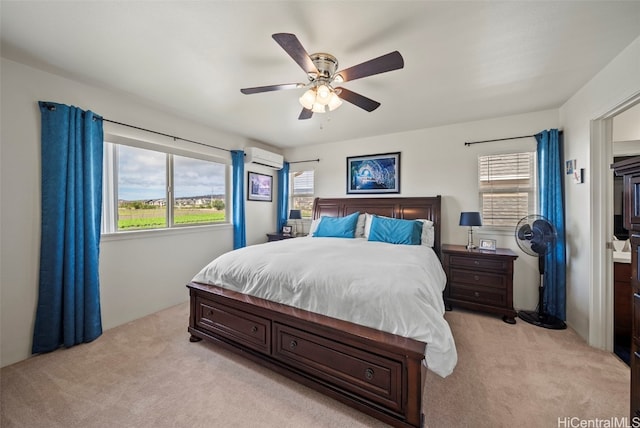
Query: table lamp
point(295, 214)
point(470, 218)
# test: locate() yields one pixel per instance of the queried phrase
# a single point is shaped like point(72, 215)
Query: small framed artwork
point(260, 187)
point(488, 244)
point(286, 230)
point(570, 166)
point(374, 173)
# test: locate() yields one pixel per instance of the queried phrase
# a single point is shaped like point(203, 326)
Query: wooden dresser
point(480, 279)
point(622, 296)
point(630, 171)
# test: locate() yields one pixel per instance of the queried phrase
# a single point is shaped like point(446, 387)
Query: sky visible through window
point(142, 175)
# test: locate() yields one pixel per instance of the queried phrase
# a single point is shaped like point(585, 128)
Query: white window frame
point(109, 226)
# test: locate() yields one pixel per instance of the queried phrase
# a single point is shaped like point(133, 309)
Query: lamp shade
point(470, 218)
point(295, 214)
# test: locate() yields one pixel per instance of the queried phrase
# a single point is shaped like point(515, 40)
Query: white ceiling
point(463, 60)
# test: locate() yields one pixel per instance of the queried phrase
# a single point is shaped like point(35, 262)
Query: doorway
point(603, 137)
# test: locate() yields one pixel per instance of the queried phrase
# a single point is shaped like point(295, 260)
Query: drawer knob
point(477, 294)
point(254, 329)
point(476, 277)
point(293, 344)
point(368, 374)
point(477, 262)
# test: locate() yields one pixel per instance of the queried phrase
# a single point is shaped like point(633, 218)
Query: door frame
point(601, 213)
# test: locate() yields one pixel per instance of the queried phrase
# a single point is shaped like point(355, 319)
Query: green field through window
point(154, 218)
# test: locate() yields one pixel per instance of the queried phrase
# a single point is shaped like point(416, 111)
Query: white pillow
point(428, 234)
point(360, 226)
point(368, 218)
point(313, 227)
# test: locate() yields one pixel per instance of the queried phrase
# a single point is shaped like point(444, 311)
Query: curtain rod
point(165, 135)
point(52, 107)
point(503, 139)
point(497, 139)
point(308, 160)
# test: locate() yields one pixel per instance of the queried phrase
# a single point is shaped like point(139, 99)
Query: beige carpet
point(147, 374)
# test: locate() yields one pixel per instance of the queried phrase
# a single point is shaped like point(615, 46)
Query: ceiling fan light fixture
point(308, 99)
point(334, 101)
point(323, 94)
point(319, 108)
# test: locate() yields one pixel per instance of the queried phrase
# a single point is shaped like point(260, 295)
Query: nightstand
point(277, 237)
point(480, 279)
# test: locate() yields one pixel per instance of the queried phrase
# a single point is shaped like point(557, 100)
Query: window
point(507, 184)
point(150, 189)
point(302, 192)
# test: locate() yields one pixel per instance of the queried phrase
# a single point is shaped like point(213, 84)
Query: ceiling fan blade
point(382, 64)
point(305, 114)
point(358, 100)
point(292, 46)
point(270, 88)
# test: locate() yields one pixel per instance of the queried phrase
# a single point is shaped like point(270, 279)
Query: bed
point(375, 366)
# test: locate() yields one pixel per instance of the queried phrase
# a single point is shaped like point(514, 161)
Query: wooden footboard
point(378, 373)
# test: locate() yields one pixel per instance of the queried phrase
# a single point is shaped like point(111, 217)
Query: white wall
point(615, 84)
point(626, 125)
point(138, 276)
point(436, 161)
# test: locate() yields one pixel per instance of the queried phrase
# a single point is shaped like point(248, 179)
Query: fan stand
point(540, 318)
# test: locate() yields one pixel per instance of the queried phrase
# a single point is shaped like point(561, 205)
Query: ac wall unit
point(263, 157)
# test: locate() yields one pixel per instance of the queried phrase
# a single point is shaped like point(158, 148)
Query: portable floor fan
point(535, 235)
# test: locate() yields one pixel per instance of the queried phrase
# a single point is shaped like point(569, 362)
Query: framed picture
point(286, 230)
point(260, 187)
point(488, 244)
point(374, 173)
point(570, 166)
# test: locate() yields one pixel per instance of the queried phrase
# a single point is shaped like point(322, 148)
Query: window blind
point(507, 186)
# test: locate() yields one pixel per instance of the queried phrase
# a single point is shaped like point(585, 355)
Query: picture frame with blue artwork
point(369, 174)
point(259, 187)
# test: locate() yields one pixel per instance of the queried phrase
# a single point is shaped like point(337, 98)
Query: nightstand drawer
point(478, 262)
point(477, 278)
point(486, 295)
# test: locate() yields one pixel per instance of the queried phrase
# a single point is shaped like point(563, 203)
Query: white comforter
point(393, 288)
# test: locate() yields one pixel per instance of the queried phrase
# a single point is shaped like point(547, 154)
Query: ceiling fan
point(321, 95)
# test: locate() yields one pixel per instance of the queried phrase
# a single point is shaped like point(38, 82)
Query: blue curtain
point(283, 195)
point(239, 226)
point(68, 311)
point(551, 197)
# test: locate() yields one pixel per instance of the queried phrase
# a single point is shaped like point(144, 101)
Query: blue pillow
point(337, 227)
point(395, 231)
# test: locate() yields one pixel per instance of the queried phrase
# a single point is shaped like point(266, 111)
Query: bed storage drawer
point(245, 328)
point(377, 378)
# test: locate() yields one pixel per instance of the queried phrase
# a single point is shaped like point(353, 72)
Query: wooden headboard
point(404, 208)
